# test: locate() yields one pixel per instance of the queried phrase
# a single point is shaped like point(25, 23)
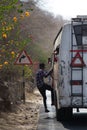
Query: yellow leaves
point(6, 63)
point(7, 28)
point(1, 66)
point(15, 19)
point(10, 47)
point(21, 16)
point(13, 54)
point(3, 23)
point(27, 13)
point(4, 35)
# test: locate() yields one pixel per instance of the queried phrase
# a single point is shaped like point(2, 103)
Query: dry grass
point(26, 115)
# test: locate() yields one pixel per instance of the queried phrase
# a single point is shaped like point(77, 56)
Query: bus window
point(57, 40)
point(81, 34)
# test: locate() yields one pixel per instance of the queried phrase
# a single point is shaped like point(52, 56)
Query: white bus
point(70, 67)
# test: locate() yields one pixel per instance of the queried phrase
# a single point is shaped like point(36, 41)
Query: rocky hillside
point(43, 28)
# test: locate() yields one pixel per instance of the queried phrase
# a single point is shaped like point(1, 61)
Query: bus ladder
point(75, 68)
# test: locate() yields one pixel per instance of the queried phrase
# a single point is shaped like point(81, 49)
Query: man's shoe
point(47, 110)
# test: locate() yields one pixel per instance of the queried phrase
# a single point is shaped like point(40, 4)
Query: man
point(42, 86)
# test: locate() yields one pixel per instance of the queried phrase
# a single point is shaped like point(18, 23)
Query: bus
point(70, 67)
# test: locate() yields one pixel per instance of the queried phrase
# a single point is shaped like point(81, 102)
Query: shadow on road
point(47, 121)
point(78, 122)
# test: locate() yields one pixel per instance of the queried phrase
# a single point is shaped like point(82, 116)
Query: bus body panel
point(70, 82)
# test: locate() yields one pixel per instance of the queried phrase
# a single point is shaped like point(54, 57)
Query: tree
point(11, 42)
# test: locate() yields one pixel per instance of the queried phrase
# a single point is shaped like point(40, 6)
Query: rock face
point(10, 94)
point(4, 96)
point(4, 91)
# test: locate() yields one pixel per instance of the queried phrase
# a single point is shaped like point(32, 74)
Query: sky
point(66, 8)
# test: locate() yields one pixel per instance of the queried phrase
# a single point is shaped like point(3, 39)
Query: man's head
point(41, 65)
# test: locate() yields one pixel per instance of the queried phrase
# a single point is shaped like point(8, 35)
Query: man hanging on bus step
point(42, 86)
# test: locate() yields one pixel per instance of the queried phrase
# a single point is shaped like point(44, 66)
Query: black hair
point(41, 65)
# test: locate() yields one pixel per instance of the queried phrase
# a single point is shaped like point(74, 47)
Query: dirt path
point(25, 117)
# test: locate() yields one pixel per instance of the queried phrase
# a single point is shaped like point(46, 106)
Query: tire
point(64, 113)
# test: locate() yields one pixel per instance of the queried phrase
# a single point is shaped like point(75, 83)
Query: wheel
point(64, 114)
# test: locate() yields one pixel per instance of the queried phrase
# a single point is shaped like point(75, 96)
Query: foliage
point(37, 53)
point(28, 72)
point(11, 42)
